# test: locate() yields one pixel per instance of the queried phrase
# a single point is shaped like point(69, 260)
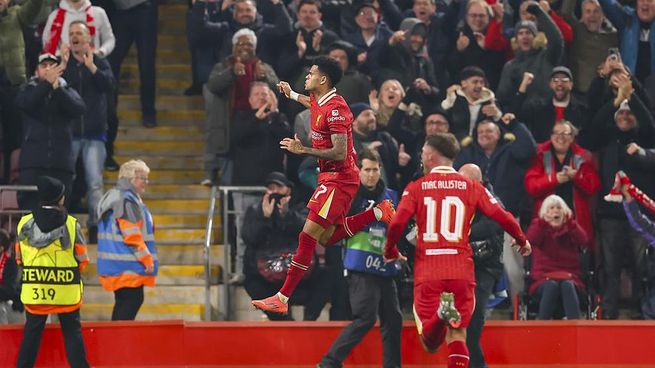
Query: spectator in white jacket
point(55, 32)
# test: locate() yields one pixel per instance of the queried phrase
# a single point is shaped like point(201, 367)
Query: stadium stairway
point(179, 204)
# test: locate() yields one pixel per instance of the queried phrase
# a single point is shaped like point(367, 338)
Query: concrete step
point(173, 10)
point(165, 133)
point(156, 163)
point(178, 56)
point(170, 275)
point(164, 86)
point(132, 102)
point(157, 177)
point(147, 312)
point(165, 117)
point(172, 41)
point(172, 25)
point(156, 295)
point(184, 221)
point(163, 148)
point(173, 191)
point(180, 254)
point(181, 71)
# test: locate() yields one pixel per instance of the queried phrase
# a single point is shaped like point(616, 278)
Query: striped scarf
point(615, 194)
point(58, 24)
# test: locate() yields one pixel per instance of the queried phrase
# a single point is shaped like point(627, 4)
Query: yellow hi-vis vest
point(51, 275)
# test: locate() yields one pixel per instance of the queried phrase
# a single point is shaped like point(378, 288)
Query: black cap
point(358, 108)
point(364, 4)
point(50, 190)
point(277, 177)
point(561, 70)
point(471, 71)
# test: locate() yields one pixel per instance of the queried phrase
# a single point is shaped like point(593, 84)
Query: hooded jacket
point(103, 39)
point(460, 111)
point(12, 45)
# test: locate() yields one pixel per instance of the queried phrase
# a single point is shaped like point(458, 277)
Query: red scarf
point(615, 194)
point(58, 24)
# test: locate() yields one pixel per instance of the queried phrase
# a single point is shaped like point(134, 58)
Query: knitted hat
point(358, 108)
point(622, 107)
point(527, 24)
point(50, 190)
point(471, 71)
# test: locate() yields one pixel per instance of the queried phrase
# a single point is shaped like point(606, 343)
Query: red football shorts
point(428, 294)
point(332, 198)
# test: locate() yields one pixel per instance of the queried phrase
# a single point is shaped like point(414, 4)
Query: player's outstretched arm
point(285, 88)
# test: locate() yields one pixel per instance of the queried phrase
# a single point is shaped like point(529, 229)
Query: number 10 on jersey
point(451, 208)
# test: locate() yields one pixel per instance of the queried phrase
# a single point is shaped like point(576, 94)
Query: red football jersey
point(444, 203)
point(331, 115)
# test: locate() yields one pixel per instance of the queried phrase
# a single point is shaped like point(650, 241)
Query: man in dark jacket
point(354, 86)
point(541, 114)
point(244, 15)
point(366, 136)
point(49, 107)
point(612, 133)
point(487, 245)
point(270, 231)
point(92, 78)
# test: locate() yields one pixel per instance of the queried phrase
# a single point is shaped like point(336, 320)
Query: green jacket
point(12, 47)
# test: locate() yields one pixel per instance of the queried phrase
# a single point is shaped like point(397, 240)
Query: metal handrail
point(225, 192)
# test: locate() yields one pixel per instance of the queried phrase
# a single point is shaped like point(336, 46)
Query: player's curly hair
point(330, 68)
point(444, 143)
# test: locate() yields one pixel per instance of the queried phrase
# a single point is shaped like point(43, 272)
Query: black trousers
point(484, 285)
point(70, 327)
point(127, 302)
point(136, 25)
point(370, 296)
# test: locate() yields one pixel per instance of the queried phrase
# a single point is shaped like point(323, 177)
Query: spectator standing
point(369, 38)
point(405, 60)
point(541, 114)
point(127, 256)
point(635, 25)
point(48, 229)
point(90, 75)
point(470, 103)
point(366, 136)
point(593, 35)
point(56, 30)
point(556, 239)
point(236, 15)
point(135, 22)
point(564, 168)
point(354, 86)
point(536, 53)
point(49, 106)
point(371, 284)
point(470, 47)
point(614, 129)
point(228, 91)
point(255, 149)
point(12, 64)
point(486, 241)
point(503, 159)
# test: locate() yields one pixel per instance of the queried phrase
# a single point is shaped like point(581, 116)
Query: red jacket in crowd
point(541, 181)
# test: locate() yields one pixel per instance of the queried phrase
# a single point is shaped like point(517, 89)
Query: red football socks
point(352, 225)
point(299, 264)
point(458, 354)
point(434, 331)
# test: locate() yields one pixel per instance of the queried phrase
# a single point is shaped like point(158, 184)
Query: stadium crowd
point(550, 99)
